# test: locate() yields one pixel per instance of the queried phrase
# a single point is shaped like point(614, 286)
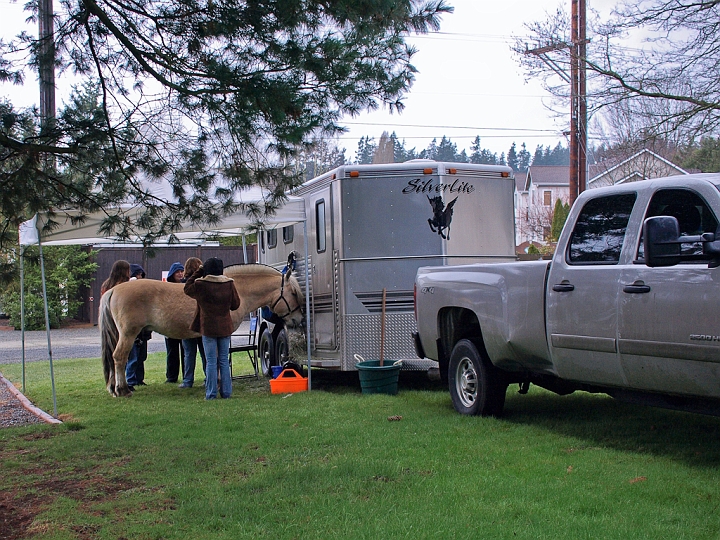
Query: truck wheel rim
point(466, 382)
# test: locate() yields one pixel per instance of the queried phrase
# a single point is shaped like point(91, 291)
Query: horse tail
point(109, 335)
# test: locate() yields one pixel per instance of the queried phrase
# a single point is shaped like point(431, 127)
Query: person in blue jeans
point(135, 368)
point(216, 297)
point(191, 346)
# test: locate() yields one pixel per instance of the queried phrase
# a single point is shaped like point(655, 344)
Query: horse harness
point(282, 298)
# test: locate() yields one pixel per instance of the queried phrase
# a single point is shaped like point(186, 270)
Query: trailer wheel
point(476, 387)
point(282, 348)
point(266, 352)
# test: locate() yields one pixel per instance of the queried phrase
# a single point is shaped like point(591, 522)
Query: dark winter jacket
point(216, 296)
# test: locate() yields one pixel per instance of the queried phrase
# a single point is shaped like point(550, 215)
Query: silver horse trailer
point(369, 228)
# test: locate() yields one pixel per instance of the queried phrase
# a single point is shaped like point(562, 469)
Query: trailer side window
point(272, 238)
point(320, 229)
point(288, 234)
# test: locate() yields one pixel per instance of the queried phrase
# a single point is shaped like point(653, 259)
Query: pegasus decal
point(442, 216)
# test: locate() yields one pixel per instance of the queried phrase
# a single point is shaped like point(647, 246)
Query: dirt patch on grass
point(20, 506)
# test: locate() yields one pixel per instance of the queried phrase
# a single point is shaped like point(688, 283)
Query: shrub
point(67, 269)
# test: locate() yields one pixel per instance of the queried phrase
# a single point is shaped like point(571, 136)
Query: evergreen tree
point(482, 155)
point(523, 158)
point(512, 158)
point(319, 157)
point(212, 95)
point(400, 152)
point(560, 155)
point(544, 155)
point(431, 151)
point(446, 150)
point(706, 157)
point(366, 150)
point(560, 215)
point(539, 155)
point(67, 269)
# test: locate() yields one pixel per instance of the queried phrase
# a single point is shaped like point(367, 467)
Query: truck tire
point(476, 387)
point(282, 348)
point(266, 352)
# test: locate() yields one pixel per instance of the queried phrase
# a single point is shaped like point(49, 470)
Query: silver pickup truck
point(629, 305)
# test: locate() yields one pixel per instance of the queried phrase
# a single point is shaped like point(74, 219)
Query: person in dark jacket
point(173, 347)
point(216, 297)
point(135, 368)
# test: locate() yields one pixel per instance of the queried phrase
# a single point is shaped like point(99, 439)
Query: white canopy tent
point(88, 232)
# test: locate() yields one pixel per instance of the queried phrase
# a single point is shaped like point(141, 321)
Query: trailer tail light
point(354, 174)
point(427, 171)
point(452, 171)
point(504, 174)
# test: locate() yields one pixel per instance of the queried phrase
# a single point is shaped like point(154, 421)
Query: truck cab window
point(693, 215)
point(320, 225)
point(599, 232)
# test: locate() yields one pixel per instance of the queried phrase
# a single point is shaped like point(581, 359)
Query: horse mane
point(257, 268)
point(254, 268)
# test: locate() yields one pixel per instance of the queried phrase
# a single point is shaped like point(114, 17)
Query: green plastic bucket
point(377, 379)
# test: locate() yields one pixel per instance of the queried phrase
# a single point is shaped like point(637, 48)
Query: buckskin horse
point(164, 308)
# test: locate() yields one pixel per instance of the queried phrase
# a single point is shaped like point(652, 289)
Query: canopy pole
point(47, 327)
point(307, 302)
point(22, 312)
point(244, 248)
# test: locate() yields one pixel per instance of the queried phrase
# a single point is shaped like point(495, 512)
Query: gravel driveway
point(72, 342)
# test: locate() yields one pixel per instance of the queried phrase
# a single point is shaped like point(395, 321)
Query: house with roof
point(538, 189)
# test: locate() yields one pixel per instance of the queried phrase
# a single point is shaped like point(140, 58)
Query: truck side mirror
point(660, 239)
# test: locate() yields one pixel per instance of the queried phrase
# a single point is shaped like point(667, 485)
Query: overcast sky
point(468, 83)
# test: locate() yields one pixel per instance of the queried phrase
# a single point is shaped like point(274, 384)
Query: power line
point(450, 127)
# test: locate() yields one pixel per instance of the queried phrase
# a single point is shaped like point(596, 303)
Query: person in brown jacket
point(216, 297)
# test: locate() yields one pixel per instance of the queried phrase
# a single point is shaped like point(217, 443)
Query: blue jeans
point(131, 366)
point(191, 347)
point(216, 354)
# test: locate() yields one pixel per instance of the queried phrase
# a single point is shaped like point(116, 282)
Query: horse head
point(291, 302)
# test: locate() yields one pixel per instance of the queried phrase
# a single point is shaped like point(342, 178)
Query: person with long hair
point(119, 273)
point(191, 346)
point(216, 297)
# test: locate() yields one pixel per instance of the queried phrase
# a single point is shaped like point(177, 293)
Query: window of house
point(272, 238)
point(600, 229)
point(320, 230)
point(547, 198)
point(288, 234)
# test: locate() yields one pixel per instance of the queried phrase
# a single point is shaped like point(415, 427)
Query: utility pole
point(46, 61)
point(578, 93)
point(578, 101)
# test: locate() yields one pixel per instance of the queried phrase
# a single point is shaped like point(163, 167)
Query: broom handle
point(382, 328)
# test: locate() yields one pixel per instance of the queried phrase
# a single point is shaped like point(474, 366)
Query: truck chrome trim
point(661, 349)
point(584, 343)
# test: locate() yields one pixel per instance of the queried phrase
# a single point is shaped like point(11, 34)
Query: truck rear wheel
point(266, 352)
point(475, 385)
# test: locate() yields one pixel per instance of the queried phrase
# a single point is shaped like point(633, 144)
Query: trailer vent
point(389, 173)
point(394, 301)
point(480, 174)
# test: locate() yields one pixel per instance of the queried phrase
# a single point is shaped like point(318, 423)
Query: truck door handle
point(638, 287)
point(563, 287)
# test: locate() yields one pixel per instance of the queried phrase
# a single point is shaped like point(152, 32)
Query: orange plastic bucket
point(288, 382)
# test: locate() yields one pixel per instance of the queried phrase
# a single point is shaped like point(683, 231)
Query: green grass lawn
point(329, 464)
